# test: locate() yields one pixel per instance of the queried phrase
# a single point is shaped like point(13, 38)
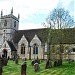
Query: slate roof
point(68, 35)
point(11, 46)
point(65, 36)
point(29, 34)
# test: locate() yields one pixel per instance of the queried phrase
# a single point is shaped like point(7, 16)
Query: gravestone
point(16, 60)
point(33, 62)
point(1, 65)
point(0, 61)
point(36, 67)
point(0, 70)
point(55, 63)
point(58, 63)
point(23, 68)
point(5, 60)
point(48, 64)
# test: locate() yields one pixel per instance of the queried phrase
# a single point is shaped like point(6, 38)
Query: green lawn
point(14, 69)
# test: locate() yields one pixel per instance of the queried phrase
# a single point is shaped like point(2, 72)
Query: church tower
point(8, 25)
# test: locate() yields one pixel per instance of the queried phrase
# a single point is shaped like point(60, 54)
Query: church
point(31, 43)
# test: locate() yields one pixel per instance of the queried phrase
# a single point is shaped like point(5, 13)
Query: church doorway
point(5, 53)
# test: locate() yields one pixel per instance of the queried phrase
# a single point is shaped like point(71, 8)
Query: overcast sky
point(34, 12)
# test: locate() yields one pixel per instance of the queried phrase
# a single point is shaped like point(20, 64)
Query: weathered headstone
point(33, 62)
point(13, 57)
point(0, 65)
point(36, 67)
point(48, 64)
point(5, 60)
point(0, 70)
point(58, 63)
point(23, 68)
point(55, 63)
point(16, 61)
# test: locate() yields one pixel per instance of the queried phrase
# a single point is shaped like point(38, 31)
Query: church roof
point(11, 46)
point(29, 34)
point(67, 37)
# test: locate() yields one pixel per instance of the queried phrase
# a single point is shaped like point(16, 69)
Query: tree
point(59, 19)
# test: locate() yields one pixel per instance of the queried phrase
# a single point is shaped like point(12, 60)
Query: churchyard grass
point(15, 69)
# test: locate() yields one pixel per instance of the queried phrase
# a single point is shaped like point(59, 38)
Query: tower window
point(15, 24)
point(5, 23)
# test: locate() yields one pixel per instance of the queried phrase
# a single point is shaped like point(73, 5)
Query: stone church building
point(28, 44)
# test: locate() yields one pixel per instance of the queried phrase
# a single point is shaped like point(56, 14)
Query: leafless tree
point(58, 19)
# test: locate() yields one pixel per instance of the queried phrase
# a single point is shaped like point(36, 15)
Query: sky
point(34, 12)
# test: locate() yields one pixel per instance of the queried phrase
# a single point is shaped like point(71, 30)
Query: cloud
point(32, 10)
point(24, 26)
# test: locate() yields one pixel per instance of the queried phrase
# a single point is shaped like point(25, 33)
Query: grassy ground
point(14, 69)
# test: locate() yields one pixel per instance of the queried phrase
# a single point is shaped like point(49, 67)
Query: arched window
point(35, 49)
point(22, 49)
point(5, 23)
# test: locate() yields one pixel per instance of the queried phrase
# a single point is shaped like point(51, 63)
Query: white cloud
point(30, 26)
point(27, 8)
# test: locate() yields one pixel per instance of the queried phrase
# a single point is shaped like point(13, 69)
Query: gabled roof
point(68, 35)
point(65, 36)
point(11, 46)
point(29, 34)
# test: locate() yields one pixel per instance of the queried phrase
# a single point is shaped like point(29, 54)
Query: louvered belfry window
point(5, 23)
